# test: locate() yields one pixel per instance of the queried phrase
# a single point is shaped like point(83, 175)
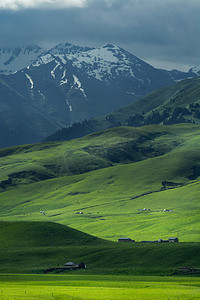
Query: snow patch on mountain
point(41, 94)
point(44, 59)
point(63, 79)
point(105, 63)
point(53, 71)
point(130, 93)
point(78, 84)
point(62, 58)
point(195, 70)
point(30, 80)
point(98, 62)
point(70, 107)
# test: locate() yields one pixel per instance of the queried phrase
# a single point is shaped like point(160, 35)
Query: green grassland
point(108, 176)
point(34, 247)
point(97, 287)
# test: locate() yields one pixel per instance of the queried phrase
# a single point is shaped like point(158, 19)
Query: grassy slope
point(129, 176)
point(180, 94)
point(108, 176)
point(33, 247)
point(43, 234)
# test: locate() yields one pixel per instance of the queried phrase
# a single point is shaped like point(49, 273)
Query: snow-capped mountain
point(195, 70)
point(107, 64)
point(96, 81)
point(13, 60)
point(50, 89)
point(110, 62)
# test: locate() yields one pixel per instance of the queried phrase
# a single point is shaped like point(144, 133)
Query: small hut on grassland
point(72, 265)
point(129, 240)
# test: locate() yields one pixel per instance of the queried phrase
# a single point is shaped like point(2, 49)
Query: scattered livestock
point(148, 209)
point(43, 212)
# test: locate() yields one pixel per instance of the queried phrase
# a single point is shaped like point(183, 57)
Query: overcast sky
point(165, 33)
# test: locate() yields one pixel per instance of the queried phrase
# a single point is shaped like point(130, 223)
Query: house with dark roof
point(71, 265)
point(125, 240)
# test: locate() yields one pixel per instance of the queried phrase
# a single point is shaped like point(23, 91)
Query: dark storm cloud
point(154, 30)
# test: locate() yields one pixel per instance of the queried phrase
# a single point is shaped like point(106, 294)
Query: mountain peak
point(67, 48)
point(110, 46)
point(195, 70)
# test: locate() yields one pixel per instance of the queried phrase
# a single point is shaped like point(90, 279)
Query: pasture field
point(110, 177)
point(110, 200)
point(34, 247)
point(98, 287)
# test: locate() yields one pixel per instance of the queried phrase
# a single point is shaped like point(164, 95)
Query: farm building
point(170, 240)
point(162, 241)
point(125, 240)
point(149, 241)
point(71, 265)
point(173, 240)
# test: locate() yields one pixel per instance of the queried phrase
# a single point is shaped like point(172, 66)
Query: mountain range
point(44, 90)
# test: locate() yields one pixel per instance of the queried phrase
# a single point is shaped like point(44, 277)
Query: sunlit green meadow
point(110, 200)
point(97, 287)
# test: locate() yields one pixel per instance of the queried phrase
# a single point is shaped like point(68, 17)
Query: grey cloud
point(167, 30)
point(37, 4)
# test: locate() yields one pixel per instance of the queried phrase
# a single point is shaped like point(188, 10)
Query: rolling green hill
point(109, 176)
point(35, 247)
point(43, 234)
point(177, 104)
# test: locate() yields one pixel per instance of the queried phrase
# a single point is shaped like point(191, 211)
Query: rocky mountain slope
point(13, 60)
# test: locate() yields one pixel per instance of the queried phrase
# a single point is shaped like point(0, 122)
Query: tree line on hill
point(168, 116)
